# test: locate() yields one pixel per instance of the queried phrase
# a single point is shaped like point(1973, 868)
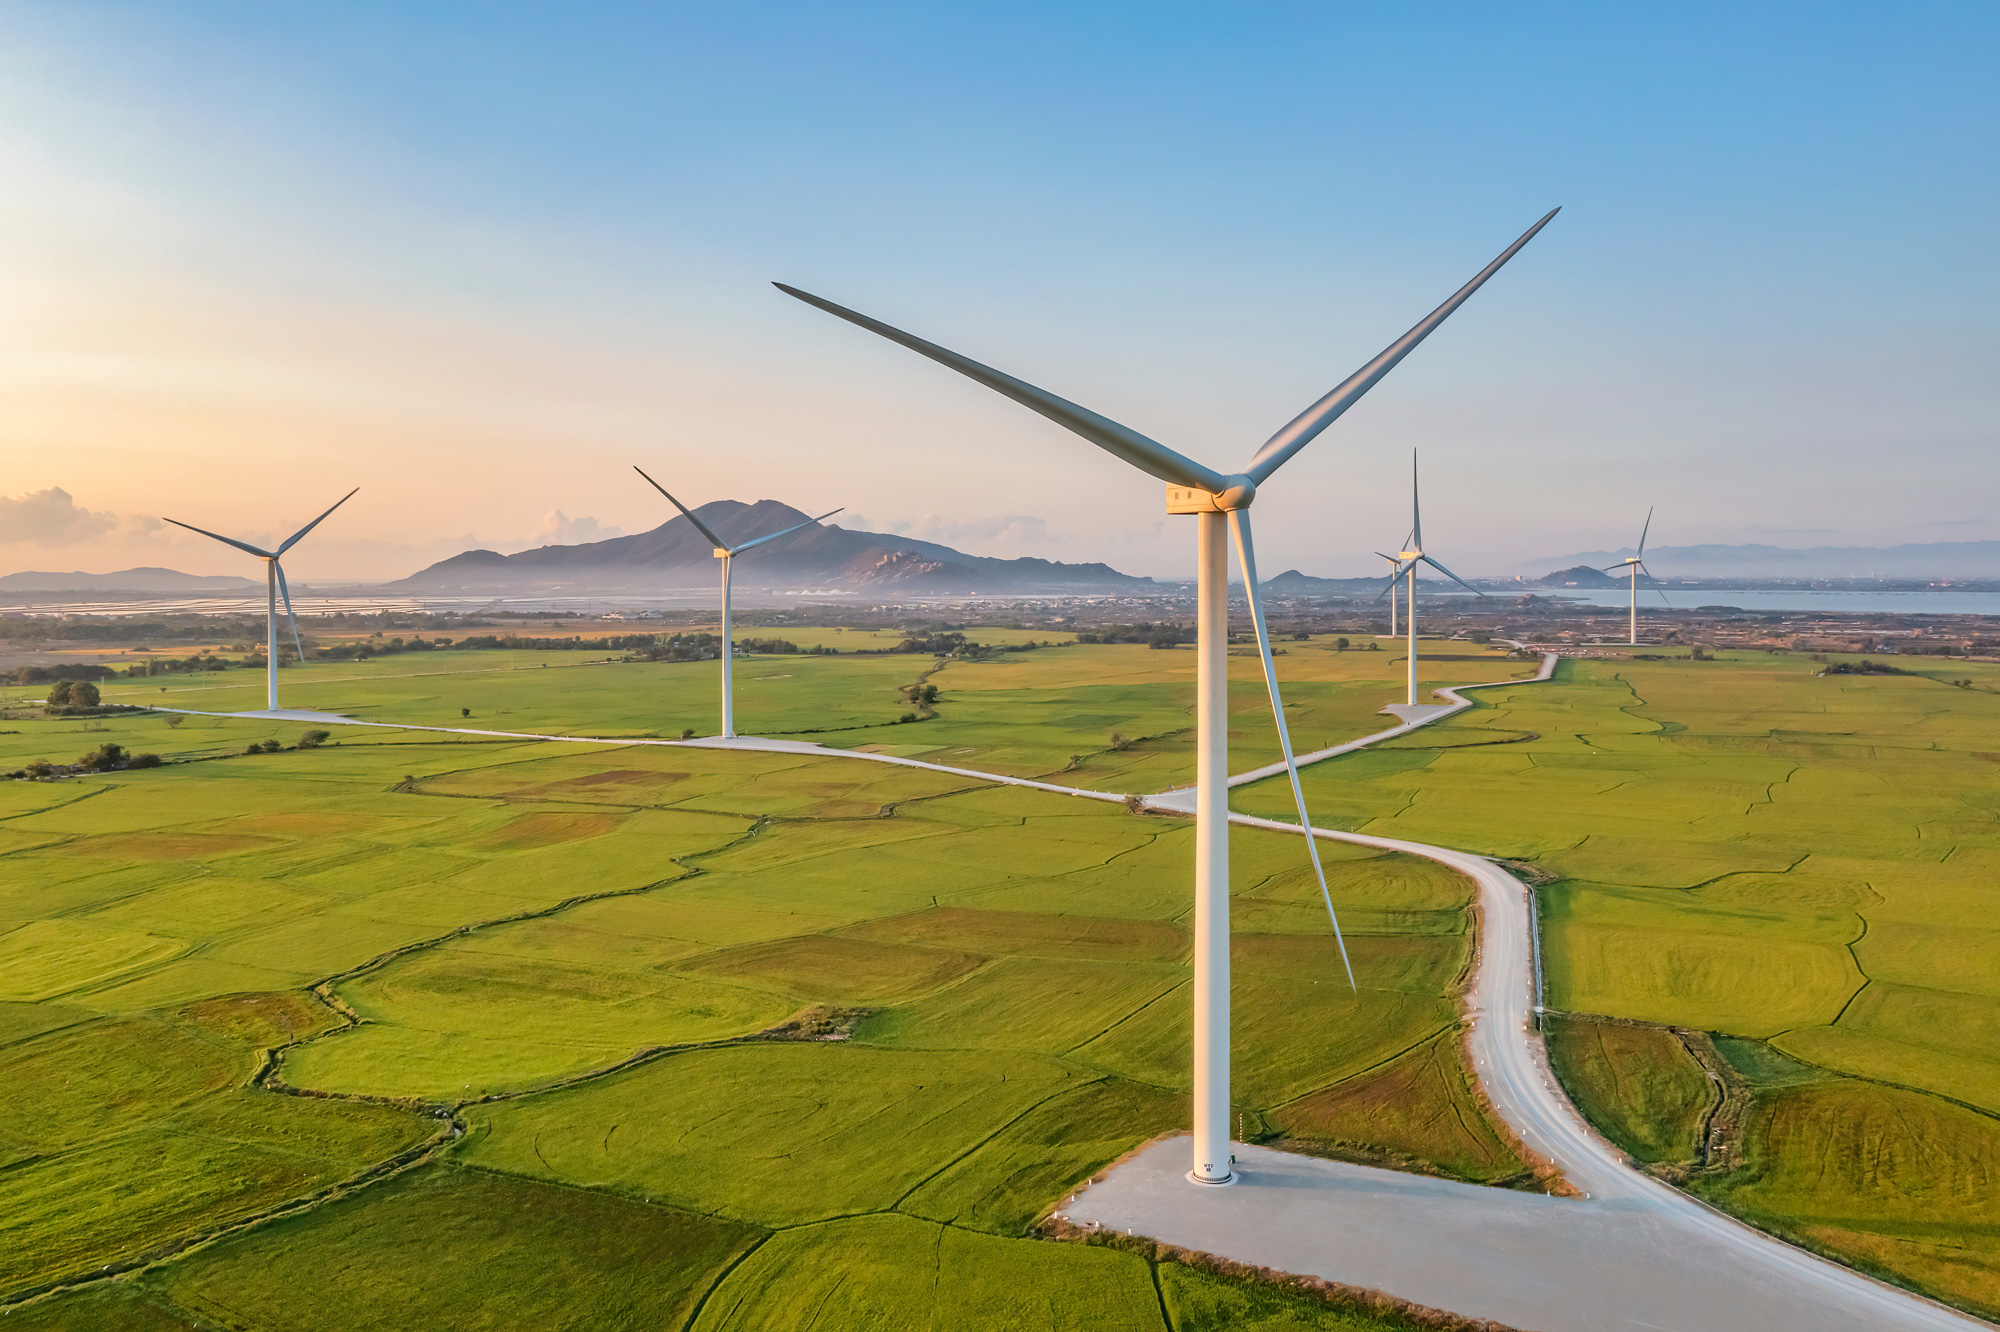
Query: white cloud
point(559, 529)
point(1000, 534)
point(53, 518)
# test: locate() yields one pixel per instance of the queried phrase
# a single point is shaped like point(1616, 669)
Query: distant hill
point(1582, 575)
point(125, 580)
point(824, 556)
point(1292, 583)
point(1944, 559)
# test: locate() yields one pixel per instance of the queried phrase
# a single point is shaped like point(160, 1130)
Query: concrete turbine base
point(1613, 1264)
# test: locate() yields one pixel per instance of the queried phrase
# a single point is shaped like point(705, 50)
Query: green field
point(391, 1032)
point(1802, 863)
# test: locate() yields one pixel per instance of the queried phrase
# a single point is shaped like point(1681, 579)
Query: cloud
point(1012, 532)
point(52, 518)
point(559, 529)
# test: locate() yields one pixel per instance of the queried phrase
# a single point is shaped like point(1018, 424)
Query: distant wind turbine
point(1221, 506)
point(274, 582)
point(1633, 566)
point(1411, 559)
point(727, 554)
point(1393, 575)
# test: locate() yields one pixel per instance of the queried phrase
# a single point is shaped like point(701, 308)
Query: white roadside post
point(1220, 503)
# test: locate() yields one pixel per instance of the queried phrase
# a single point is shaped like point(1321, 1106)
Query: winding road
point(1633, 1253)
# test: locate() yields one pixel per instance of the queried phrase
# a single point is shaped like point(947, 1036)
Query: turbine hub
point(1240, 491)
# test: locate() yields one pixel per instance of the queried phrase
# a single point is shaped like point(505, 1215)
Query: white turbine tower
point(1411, 559)
point(1221, 506)
point(1633, 566)
point(727, 554)
point(274, 583)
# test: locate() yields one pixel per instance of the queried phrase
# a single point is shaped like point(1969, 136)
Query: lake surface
point(1941, 602)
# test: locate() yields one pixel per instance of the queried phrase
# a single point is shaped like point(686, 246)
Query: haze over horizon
point(478, 260)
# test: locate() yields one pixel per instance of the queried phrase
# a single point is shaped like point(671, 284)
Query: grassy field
point(430, 1030)
point(1802, 863)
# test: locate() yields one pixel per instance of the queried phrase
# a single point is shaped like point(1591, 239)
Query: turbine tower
point(727, 554)
point(274, 584)
point(1220, 504)
point(1633, 566)
point(1411, 559)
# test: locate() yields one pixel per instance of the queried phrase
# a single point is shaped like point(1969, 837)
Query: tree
point(59, 693)
point(104, 758)
point(1341, 645)
point(83, 694)
point(314, 739)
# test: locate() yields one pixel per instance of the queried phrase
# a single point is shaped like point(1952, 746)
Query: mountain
point(1944, 559)
point(125, 580)
point(1292, 583)
point(1582, 575)
point(675, 554)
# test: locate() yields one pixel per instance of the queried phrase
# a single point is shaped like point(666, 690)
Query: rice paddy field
point(1799, 872)
point(421, 1029)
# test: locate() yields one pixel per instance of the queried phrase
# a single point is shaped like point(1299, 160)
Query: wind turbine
point(1221, 506)
point(1411, 559)
point(274, 581)
point(1633, 566)
point(727, 554)
point(1393, 575)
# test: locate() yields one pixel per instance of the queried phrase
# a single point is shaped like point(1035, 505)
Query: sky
point(480, 258)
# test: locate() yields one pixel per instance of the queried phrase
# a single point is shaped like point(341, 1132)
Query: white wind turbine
point(1411, 559)
point(727, 554)
point(1633, 566)
point(274, 582)
point(1394, 575)
point(1221, 505)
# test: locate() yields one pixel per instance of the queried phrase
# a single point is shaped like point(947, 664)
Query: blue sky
point(480, 258)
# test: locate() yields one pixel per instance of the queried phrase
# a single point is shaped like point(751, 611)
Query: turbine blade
point(1148, 455)
point(227, 541)
point(286, 592)
point(1642, 534)
point(1654, 583)
point(1449, 574)
point(1416, 507)
point(1239, 525)
point(686, 512)
point(293, 539)
point(1323, 413)
point(787, 532)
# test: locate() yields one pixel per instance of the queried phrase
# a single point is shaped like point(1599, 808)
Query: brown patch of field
point(546, 829)
point(821, 967)
point(1031, 933)
point(167, 845)
point(261, 1020)
point(621, 777)
point(1417, 1111)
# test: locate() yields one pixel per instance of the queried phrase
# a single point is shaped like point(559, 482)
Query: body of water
point(1943, 601)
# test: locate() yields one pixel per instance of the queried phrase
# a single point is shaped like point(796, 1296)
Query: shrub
point(105, 758)
point(40, 768)
point(144, 761)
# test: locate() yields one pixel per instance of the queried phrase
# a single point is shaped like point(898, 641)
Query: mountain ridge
point(823, 555)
